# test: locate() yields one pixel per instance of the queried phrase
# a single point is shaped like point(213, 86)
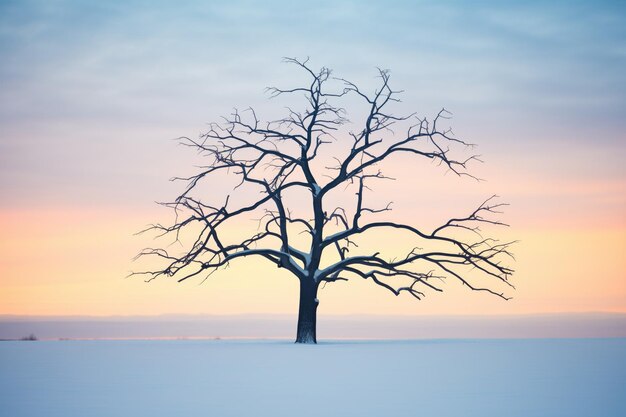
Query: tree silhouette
point(277, 164)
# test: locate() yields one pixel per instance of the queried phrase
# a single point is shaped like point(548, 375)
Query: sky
point(92, 96)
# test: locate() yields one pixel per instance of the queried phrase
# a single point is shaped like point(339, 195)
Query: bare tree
point(278, 162)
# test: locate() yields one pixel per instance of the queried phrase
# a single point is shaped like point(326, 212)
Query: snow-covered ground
point(532, 377)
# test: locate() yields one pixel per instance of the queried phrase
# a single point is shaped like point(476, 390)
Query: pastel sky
point(92, 94)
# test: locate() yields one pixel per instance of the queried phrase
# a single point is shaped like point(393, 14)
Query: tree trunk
point(307, 314)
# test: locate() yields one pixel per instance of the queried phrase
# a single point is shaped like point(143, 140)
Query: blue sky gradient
point(74, 73)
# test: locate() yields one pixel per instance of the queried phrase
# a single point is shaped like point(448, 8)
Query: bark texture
point(307, 312)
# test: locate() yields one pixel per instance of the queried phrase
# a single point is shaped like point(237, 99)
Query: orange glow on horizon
point(74, 263)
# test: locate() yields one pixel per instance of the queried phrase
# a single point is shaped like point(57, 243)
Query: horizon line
point(292, 315)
